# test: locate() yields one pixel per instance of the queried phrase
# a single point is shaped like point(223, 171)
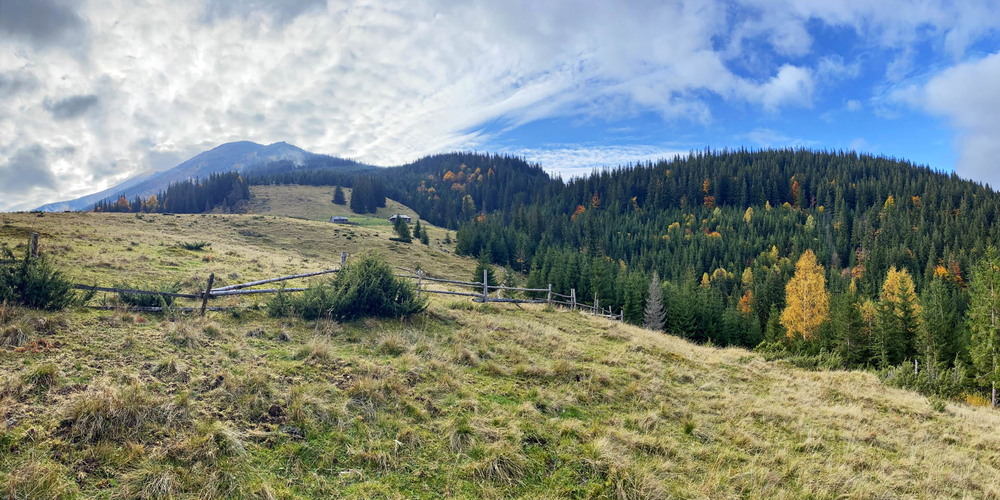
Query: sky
point(93, 92)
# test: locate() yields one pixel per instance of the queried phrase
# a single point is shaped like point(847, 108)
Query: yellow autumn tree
point(807, 299)
point(899, 293)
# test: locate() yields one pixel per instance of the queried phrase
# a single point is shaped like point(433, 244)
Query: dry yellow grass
point(110, 248)
point(459, 401)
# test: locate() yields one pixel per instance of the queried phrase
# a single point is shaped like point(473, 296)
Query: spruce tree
point(653, 316)
point(484, 265)
point(984, 320)
point(402, 230)
point(338, 196)
point(939, 326)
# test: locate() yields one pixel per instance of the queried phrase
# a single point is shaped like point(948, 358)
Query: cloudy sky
point(94, 91)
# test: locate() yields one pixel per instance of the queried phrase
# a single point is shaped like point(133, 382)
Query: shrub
point(280, 305)
point(147, 300)
point(930, 381)
point(366, 287)
point(33, 282)
point(194, 245)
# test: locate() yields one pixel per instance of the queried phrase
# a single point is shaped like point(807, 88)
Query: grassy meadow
point(460, 401)
point(313, 203)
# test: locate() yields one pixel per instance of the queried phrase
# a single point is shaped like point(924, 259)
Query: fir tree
point(939, 328)
point(984, 320)
point(402, 229)
point(483, 265)
point(338, 196)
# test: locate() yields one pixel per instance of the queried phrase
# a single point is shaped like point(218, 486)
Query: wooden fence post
point(572, 297)
point(343, 258)
point(208, 293)
point(548, 300)
point(486, 291)
point(34, 245)
point(597, 303)
point(420, 276)
point(621, 315)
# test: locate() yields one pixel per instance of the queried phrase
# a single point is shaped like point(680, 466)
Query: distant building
point(339, 219)
point(405, 218)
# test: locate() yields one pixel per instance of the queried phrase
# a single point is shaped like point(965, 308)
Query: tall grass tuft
point(13, 336)
point(152, 480)
point(38, 478)
point(115, 413)
point(501, 463)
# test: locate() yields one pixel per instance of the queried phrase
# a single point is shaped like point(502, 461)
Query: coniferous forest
point(833, 259)
point(227, 191)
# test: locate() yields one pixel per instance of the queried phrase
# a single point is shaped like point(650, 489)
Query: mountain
point(233, 156)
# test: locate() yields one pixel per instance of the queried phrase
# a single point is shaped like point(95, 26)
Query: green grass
point(314, 203)
point(457, 401)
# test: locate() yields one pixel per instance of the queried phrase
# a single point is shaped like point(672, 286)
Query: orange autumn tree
point(807, 299)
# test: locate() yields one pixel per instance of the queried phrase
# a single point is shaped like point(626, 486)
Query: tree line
point(229, 192)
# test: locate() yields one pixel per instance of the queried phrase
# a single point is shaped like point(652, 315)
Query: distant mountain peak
point(227, 157)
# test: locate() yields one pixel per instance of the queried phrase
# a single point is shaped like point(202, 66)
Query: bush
point(145, 300)
point(280, 305)
point(930, 381)
point(366, 287)
point(194, 245)
point(33, 282)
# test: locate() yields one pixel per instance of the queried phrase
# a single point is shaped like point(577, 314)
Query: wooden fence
point(481, 291)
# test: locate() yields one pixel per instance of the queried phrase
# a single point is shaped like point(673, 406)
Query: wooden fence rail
point(130, 291)
point(271, 280)
point(481, 293)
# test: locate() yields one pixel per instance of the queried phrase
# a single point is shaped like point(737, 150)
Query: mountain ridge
point(227, 157)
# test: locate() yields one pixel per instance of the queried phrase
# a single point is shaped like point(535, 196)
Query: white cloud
point(117, 87)
point(576, 160)
point(770, 138)
point(968, 94)
point(792, 84)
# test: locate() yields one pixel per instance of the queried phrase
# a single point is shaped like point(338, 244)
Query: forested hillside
point(882, 250)
point(885, 249)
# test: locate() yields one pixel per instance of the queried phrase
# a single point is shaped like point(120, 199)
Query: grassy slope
point(313, 203)
point(108, 248)
point(459, 401)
